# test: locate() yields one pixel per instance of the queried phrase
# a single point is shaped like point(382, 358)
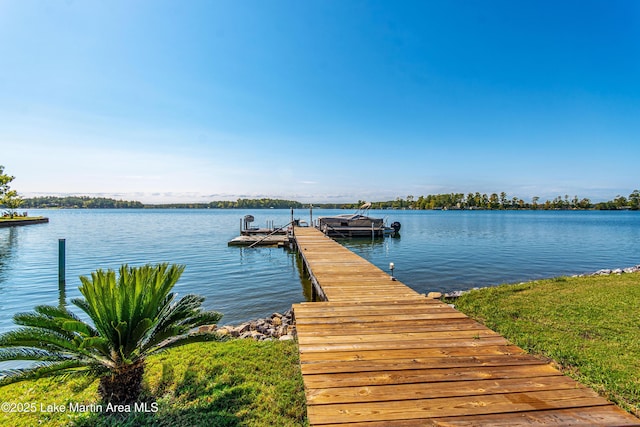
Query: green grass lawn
point(233, 383)
point(590, 326)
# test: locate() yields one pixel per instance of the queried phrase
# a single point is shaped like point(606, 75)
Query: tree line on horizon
point(494, 201)
point(79, 202)
point(502, 201)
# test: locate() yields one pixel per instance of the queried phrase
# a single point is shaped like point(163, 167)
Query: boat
point(358, 224)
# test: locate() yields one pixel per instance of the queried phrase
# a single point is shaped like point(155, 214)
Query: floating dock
point(376, 353)
point(259, 240)
point(255, 236)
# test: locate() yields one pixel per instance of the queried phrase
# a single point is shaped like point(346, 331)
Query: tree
point(620, 202)
point(494, 201)
point(503, 200)
point(12, 201)
point(634, 199)
point(584, 203)
point(534, 201)
point(410, 202)
point(4, 181)
point(470, 201)
point(8, 198)
point(133, 315)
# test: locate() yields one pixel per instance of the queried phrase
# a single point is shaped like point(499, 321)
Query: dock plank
point(415, 344)
point(428, 375)
point(454, 406)
point(400, 364)
point(381, 393)
point(572, 417)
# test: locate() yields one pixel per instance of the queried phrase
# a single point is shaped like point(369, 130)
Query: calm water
point(437, 251)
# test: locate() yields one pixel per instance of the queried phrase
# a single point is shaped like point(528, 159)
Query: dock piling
point(62, 291)
point(61, 261)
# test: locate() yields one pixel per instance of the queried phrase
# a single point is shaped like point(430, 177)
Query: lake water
point(437, 251)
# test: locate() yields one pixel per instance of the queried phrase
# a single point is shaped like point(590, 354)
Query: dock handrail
point(270, 234)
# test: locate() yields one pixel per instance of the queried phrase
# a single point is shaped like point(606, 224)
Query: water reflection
point(305, 279)
point(62, 294)
point(368, 248)
point(8, 244)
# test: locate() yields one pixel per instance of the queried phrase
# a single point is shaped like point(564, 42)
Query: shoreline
point(282, 326)
point(278, 326)
point(601, 272)
point(13, 222)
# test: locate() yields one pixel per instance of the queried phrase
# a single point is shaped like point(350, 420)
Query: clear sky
point(333, 100)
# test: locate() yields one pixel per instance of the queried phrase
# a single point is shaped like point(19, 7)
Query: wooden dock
point(376, 353)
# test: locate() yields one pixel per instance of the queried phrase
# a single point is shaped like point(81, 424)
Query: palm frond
point(54, 312)
point(185, 339)
point(179, 319)
point(205, 318)
point(29, 353)
point(38, 338)
point(46, 369)
point(79, 327)
point(138, 335)
point(101, 303)
point(35, 320)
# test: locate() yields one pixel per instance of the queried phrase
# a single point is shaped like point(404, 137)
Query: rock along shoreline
point(278, 326)
point(603, 272)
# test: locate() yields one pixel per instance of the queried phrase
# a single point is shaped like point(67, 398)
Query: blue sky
point(336, 100)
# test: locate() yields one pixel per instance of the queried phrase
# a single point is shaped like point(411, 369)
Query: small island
point(8, 221)
point(10, 200)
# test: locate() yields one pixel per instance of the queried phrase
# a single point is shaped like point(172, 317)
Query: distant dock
point(259, 240)
point(15, 222)
point(374, 352)
point(255, 236)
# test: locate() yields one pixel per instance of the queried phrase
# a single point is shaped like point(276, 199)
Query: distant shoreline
point(443, 202)
point(168, 206)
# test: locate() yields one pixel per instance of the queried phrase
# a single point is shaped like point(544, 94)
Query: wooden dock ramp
point(377, 354)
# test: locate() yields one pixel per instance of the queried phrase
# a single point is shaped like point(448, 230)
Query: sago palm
point(133, 315)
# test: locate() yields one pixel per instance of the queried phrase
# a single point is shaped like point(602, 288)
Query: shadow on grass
point(198, 400)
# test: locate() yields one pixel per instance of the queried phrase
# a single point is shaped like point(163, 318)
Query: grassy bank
point(590, 326)
point(235, 383)
point(20, 218)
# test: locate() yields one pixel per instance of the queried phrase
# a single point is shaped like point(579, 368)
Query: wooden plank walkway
point(376, 353)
